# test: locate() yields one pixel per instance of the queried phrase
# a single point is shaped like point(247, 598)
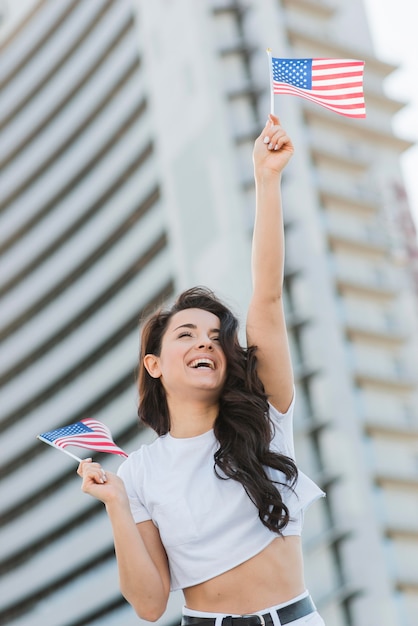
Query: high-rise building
point(126, 131)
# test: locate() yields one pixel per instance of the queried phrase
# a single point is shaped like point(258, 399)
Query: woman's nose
point(206, 343)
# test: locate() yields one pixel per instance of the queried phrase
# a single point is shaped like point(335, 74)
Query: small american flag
point(87, 433)
point(336, 84)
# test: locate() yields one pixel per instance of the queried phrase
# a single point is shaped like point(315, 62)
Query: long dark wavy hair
point(242, 427)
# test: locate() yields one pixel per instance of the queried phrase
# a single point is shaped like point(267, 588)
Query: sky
point(394, 33)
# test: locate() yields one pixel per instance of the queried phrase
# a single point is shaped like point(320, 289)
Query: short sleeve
point(129, 472)
point(282, 424)
point(305, 491)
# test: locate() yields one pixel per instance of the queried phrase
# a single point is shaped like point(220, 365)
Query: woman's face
point(191, 359)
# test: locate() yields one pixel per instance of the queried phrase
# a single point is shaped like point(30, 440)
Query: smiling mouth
point(202, 364)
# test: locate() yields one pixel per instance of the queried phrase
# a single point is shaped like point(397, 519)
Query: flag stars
point(73, 429)
point(296, 72)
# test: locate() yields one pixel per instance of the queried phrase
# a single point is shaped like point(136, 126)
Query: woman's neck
point(190, 419)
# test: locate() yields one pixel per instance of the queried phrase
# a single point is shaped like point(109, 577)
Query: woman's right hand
point(272, 149)
point(104, 486)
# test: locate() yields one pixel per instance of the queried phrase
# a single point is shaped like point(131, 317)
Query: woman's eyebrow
point(193, 326)
point(185, 326)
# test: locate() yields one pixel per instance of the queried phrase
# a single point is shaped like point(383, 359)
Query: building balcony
point(405, 533)
point(409, 482)
point(376, 331)
point(367, 288)
point(334, 48)
point(339, 153)
point(407, 586)
point(380, 101)
point(323, 8)
point(387, 379)
point(358, 232)
point(329, 145)
point(304, 21)
point(375, 131)
point(361, 238)
point(375, 281)
point(394, 431)
point(343, 188)
point(331, 196)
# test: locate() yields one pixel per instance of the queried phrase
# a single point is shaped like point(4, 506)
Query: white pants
point(313, 619)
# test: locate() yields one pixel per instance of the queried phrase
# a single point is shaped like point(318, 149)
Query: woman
point(214, 506)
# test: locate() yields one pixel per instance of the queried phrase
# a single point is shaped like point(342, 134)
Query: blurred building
point(126, 130)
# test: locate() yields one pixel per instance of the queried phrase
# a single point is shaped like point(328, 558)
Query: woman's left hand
point(104, 486)
point(272, 149)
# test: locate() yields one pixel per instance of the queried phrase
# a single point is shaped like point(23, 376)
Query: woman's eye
point(185, 334)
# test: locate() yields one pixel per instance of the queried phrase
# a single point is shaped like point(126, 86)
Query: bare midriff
point(271, 577)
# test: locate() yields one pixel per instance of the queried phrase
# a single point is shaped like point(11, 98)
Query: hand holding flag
point(336, 84)
point(87, 433)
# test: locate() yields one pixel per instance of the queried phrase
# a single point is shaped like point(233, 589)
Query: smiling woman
point(185, 361)
point(214, 506)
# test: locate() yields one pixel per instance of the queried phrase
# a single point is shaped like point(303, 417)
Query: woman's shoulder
point(141, 456)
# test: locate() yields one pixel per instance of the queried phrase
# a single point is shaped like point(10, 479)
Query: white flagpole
point(271, 80)
point(77, 458)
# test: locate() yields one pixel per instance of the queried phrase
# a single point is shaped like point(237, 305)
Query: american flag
point(336, 84)
point(87, 433)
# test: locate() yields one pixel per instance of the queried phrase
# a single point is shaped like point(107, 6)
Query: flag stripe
point(341, 64)
point(330, 95)
point(337, 74)
point(338, 78)
point(354, 109)
point(336, 84)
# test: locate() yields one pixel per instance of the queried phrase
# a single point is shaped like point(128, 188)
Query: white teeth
point(204, 362)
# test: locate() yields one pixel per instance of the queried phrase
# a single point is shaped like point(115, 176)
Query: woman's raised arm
point(266, 327)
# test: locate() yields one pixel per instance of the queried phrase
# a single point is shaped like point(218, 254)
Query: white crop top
point(207, 525)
